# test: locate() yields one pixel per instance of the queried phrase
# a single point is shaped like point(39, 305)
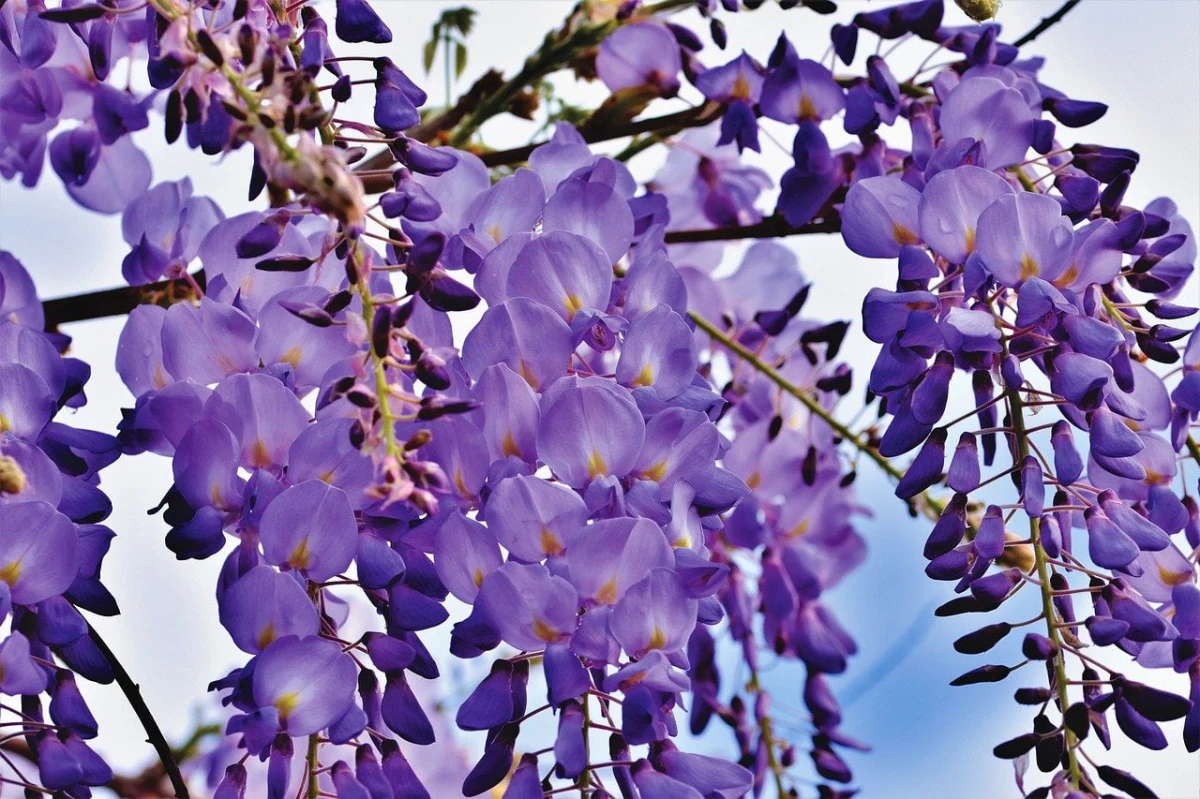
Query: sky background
point(1140, 56)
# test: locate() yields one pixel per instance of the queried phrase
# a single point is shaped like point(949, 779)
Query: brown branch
point(154, 735)
point(668, 124)
point(1047, 23)
point(115, 302)
point(120, 301)
point(770, 228)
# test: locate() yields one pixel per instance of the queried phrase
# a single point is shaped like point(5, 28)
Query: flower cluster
point(52, 545)
point(56, 72)
point(1036, 280)
point(632, 453)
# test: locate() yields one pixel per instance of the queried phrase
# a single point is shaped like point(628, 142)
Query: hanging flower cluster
point(52, 544)
point(1036, 280)
point(633, 453)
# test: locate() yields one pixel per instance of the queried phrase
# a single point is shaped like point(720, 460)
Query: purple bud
point(991, 673)
point(926, 468)
point(1033, 489)
point(1038, 647)
point(1108, 545)
point(983, 639)
point(989, 541)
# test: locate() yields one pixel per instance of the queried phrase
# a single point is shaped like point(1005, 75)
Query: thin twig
point(154, 735)
point(1047, 23)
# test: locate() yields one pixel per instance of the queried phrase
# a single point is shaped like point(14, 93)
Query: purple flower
point(988, 110)
point(644, 54)
point(38, 552)
point(307, 680)
point(1022, 236)
point(880, 216)
point(530, 607)
point(310, 528)
point(264, 605)
point(589, 429)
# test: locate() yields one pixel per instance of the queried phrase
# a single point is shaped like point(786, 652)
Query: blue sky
point(929, 740)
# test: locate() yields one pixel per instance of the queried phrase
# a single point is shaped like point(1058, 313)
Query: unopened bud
point(418, 440)
point(979, 10)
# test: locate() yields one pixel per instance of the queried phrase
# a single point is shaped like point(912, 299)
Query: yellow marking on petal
point(227, 365)
point(544, 631)
point(807, 109)
point(754, 480)
point(549, 542)
point(326, 477)
point(477, 577)
point(1067, 277)
point(658, 639)
point(10, 572)
point(259, 457)
point(495, 232)
point(214, 494)
point(1029, 267)
point(903, 235)
point(645, 377)
point(266, 636)
point(158, 378)
point(12, 477)
point(1156, 479)
point(741, 88)
point(596, 465)
point(524, 370)
point(800, 529)
point(634, 680)
point(656, 472)
point(573, 305)
point(1172, 578)
point(5, 425)
point(292, 357)
point(970, 240)
point(509, 445)
point(683, 542)
point(460, 484)
point(607, 594)
point(286, 703)
point(301, 556)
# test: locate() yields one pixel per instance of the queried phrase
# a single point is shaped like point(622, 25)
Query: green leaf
point(428, 54)
point(460, 59)
point(463, 19)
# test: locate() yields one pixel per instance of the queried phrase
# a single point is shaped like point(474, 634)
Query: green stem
point(585, 779)
point(387, 419)
point(767, 734)
point(1017, 414)
point(312, 763)
point(805, 398)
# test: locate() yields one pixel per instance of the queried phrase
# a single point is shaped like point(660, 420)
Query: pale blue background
point(929, 740)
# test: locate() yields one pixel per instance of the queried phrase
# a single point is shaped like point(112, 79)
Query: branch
point(667, 124)
point(1047, 23)
point(154, 735)
point(114, 302)
point(770, 228)
point(120, 301)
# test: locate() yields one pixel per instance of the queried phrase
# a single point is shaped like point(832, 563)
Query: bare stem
point(154, 735)
point(1047, 23)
